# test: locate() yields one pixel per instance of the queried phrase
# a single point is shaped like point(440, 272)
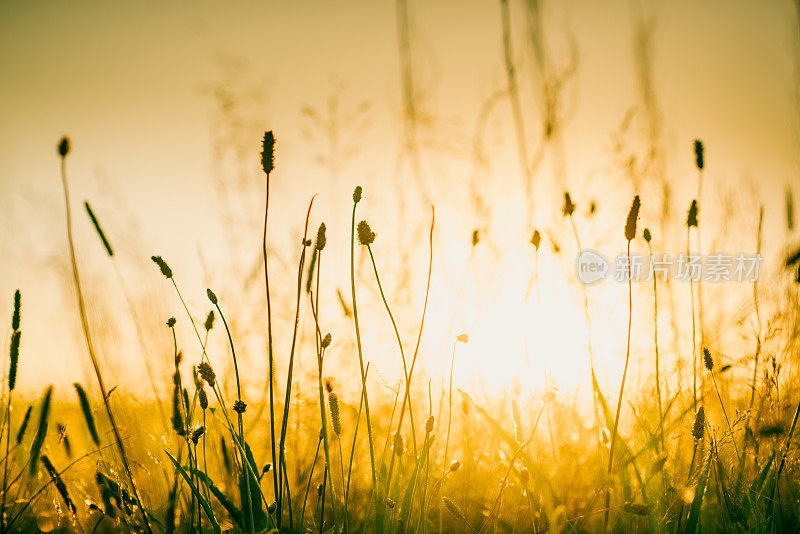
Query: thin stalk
point(288, 396)
point(407, 395)
point(323, 414)
point(271, 360)
point(308, 485)
point(621, 390)
point(360, 354)
point(90, 347)
point(245, 460)
point(399, 342)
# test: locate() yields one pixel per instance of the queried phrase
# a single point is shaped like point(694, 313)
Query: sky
point(165, 105)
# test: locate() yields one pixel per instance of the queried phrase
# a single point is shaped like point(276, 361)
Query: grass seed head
point(569, 208)
point(165, 270)
point(357, 194)
point(633, 216)
point(398, 444)
point(207, 373)
point(698, 428)
point(202, 397)
point(454, 508)
point(41, 430)
point(390, 504)
point(24, 425)
point(321, 240)
point(197, 433)
point(13, 357)
point(272, 508)
point(83, 400)
point(699, 154)
point(455, 465)
point(63, 147)
point(524, 476)
point(15, 317)
point(536, 239)
point(429, 424)
point(365, 234)
point(326, 341)
point(691, 217)
point(708, 361)
point(268, 152)
point(209, 324)
point(212, 297)
point(646, 234)
point(171, 322)
point(336, 421)
point(239, 406)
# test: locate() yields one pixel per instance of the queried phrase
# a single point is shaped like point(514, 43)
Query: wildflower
point(171, 322)
point(239, 406)
point(462, 338)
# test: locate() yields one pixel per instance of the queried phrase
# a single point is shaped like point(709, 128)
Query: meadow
point(713, 449)
point(535, 315)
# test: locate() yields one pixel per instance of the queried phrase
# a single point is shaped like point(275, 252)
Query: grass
point(347, 459)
